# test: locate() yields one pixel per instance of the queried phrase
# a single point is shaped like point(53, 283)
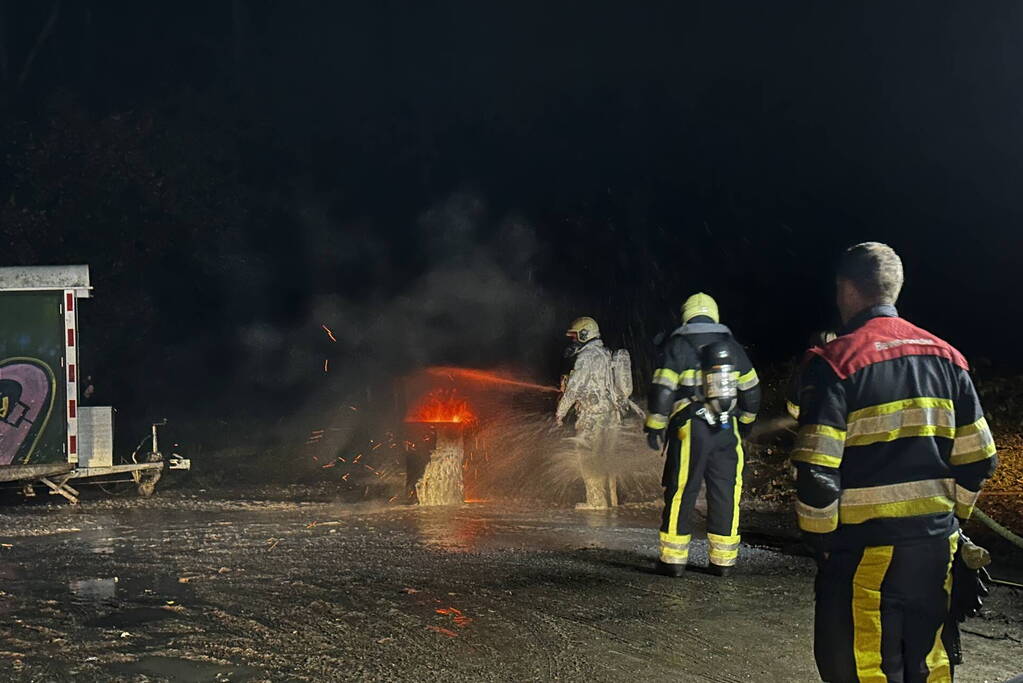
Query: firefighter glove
point(655, 439)
point(968, 590)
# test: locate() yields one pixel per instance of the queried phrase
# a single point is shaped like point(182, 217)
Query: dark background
point(452, 182)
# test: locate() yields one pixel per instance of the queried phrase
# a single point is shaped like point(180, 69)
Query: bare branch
point(4, 71)
point(44, 34)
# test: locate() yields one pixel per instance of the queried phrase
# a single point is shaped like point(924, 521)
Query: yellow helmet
point(583, 330)
point(700, 304)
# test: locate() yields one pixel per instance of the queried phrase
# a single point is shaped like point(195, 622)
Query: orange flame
point(442, 407)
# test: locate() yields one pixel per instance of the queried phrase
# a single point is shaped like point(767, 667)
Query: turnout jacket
point(892, 444)
point(675, 391)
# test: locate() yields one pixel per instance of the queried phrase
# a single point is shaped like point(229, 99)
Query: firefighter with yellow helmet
point(705, 394)
point(589, 389)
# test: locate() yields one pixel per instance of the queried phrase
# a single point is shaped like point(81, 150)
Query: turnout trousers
point(697, 453)
point(880, 611)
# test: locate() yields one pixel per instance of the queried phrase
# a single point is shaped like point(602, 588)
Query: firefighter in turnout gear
point(589, 388)
point(705, 395)
point(890, 456)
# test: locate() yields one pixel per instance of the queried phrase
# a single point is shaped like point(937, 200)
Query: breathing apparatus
point(720, 385)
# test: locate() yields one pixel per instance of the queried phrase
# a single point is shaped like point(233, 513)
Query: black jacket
point(678, 376)
point(892, 443)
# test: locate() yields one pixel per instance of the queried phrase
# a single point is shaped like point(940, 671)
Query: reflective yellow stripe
point(965, 500)
point(683, 474)
point(674, 548)
point(819, 445)
point(866, 612)
point(895, 493)
point(747, 418)
point(676, 541)
point(690, 378)
point(737, 490)
point(922, 416)
point(938, 670)
point(655, 421)
point(724, 550)
point(666, 377)
point(817, 520)
point(749, 380)
point(963, 512)
point(973, 442)
point(723, 558)
point(679, 406)
point(724, 542)
point(900, 405)
point(792, 409)
point(908, 508)
point(670, 556)
point(909, 499)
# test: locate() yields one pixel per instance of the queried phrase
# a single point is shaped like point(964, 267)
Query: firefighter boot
point(669, 569)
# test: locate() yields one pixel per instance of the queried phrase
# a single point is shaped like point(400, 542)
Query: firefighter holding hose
point(705, 395)
point(890, 457)
point(598, 389)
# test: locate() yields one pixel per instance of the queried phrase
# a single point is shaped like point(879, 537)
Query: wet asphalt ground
point(187, 588)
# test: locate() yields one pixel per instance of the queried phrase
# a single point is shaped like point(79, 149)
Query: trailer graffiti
point(27, 390)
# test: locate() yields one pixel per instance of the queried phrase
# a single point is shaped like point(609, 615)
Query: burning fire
point(442, 407)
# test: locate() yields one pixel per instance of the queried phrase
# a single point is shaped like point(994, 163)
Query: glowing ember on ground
point(456, 614)
point(442, 407)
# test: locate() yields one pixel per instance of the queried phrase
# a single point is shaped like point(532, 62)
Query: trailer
point(47, 438)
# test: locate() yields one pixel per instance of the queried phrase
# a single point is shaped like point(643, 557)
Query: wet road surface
point(184, 588)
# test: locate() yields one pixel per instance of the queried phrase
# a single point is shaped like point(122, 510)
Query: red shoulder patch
point(882, 339)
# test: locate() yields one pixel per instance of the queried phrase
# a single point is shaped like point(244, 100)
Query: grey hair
point(874, 269)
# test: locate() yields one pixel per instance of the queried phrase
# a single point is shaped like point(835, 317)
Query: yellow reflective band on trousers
point(675, 548)
point(973, 442)
point(655, 421)
point(923, 416)
point(685, 442)
point(866, 612)
point(909, 499)
point(724, 550)
point(819, 445)
point(747, 418)
point(666, 377)
point(737, 491)
point(938, 670)
point(748, 381)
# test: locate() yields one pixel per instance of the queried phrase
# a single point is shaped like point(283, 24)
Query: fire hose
point(1005, 533)
point(998, 528)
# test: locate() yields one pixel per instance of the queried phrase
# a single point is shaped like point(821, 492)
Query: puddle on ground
point(97, 590)
point(184, 670)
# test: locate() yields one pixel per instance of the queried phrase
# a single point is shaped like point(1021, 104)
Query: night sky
point(452, 182)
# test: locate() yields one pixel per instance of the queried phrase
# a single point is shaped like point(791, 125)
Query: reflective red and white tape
point(71, 376)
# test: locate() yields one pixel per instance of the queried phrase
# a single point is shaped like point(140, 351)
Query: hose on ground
point(979, 515)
